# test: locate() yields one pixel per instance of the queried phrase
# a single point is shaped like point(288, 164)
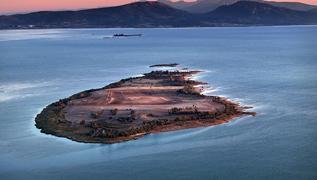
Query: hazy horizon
point(17, 6)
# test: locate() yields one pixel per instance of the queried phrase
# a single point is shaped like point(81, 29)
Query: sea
point(273, 69)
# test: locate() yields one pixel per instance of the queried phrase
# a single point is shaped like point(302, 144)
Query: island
point(158, 101)
point(165, 65)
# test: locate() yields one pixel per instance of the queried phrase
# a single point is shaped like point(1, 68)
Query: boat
point(127, 35)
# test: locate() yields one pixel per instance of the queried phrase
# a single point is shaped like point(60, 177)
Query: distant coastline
point(308, 25)
point(159, 15)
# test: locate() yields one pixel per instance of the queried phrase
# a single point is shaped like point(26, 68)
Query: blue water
point(273, 69)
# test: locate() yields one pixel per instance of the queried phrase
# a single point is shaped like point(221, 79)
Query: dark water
point(270, 68)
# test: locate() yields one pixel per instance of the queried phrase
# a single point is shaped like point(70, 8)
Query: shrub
point(114, 111)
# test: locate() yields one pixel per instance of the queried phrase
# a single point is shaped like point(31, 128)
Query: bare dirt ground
point(128, 109)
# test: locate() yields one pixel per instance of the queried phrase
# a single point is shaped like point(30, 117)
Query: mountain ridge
point(204, 6)
point(156, 14)
point(250, 12)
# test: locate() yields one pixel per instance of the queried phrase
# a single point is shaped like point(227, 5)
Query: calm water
point(270, 68)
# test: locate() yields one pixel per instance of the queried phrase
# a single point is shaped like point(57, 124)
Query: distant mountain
point(204, 6)
point(139, 14)
point(248, 12)
point(292, 5)
point(179, 4)
point(156, 14)
point(313, 10)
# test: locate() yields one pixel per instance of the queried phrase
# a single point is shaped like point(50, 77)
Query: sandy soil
point(159, 101)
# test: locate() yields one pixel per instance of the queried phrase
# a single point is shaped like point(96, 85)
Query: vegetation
point(114, 111)
point(96, 115)
point(189, 89)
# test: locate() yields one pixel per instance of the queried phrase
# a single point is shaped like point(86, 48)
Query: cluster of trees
point(108, 133)
point(192, 113)
point(81, 94)
point(161, 73)
point(230, 109)
point(120, 83)
point(53, 112)
point(132, 115)
point(149, 125)
point(186, 110)
point(216, 99)
point(61, 103)
point(114, 111)
point(127, 119)
point(114, 133)
point(188, 89)
point(99, 130)
point(198, 116)
point(96, 115)
point(174, 110)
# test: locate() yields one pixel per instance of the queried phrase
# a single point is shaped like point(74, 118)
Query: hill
point(156, 14)
point(139, 14)
point(293, 5)
point(250, 13)
point(204, 6)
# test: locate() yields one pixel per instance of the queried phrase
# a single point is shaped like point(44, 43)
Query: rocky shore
point(131, 108)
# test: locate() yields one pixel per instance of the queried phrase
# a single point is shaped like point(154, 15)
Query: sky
point(22, 6)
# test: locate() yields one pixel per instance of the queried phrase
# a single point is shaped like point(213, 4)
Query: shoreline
point(138, 28)
point(159, 101)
